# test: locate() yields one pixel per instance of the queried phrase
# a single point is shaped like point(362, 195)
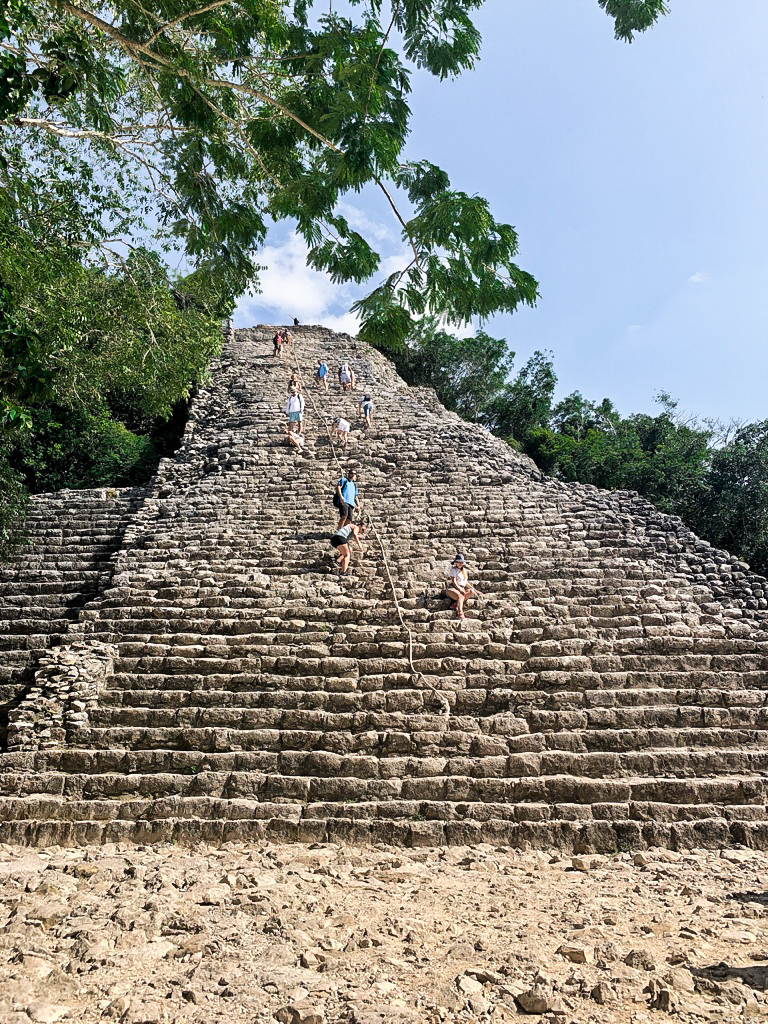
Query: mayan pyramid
point(184, 662)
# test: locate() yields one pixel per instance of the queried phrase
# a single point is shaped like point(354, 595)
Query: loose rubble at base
point(316, 935)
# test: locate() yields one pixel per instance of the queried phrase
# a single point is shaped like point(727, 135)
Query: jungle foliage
point(136, 133)
point(713, 476)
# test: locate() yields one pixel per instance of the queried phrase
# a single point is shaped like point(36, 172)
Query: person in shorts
point(295, 411)
point(349, 502)
point(365, 410)
point(341, 429)
point(345, 377)
point(321, 374)
point(457, 586)
point(342, 541)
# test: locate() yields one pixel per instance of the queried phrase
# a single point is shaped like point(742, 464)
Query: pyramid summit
point(183, 661)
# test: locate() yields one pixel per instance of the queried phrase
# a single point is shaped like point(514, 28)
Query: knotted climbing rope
point(370, 524)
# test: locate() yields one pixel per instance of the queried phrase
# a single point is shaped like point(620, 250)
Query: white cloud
point(358, 221)
point(697, 278)
point(634, 328)
point(289, 288)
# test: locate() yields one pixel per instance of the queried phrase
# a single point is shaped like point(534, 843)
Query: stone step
point(156, 808)
point(565, 836)
point(687, 764)
point(232, 715)
point(237, 735)
point(194, 779)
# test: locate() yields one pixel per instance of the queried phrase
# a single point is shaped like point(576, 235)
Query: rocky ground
point(305, 935)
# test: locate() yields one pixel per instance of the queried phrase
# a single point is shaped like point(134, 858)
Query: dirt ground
point(313, 935)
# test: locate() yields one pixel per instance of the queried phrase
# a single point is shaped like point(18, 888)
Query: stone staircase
point(605, 692)
point(70, 539)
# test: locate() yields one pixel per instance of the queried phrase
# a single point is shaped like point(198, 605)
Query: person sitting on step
point(457, 586)
point(365, 410)
point(341, 429)
point(341, 541)
point(294, 384)
point(295, 410)
point(321, 374)
point(295, 440)
point(349, 502)
point(345, 377)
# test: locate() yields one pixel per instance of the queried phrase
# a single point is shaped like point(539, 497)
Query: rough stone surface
point(331, 933)
point(214, 679)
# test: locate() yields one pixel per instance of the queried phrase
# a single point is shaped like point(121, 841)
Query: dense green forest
point(714, 476)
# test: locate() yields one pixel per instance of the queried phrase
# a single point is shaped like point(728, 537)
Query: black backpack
point(336, 498)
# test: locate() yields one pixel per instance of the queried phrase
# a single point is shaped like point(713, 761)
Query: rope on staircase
point(369, 522)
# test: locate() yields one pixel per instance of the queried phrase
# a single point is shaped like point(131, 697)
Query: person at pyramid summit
point(349, 501)
point(294, 410)
point(457, 586)
point(342, 539)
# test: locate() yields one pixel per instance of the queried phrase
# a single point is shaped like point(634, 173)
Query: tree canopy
point(206, 121)
point(135, 134)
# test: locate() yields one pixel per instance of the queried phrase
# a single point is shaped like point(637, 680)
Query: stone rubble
point(605, 693)
point(328, 933)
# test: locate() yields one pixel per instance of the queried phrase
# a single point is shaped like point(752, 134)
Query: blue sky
point(637, 179)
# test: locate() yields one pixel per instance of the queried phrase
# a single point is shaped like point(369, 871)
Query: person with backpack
point(365, 409)
point(341, 540)
point(345, 377)
point(321, 374)
point(346, 498)
point(457, 586)
point(295, 410)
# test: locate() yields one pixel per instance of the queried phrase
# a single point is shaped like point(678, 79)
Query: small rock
point(43, 1012)
point(576, 954)
point(540, 999)
point(118, 1007)
point(737, 935)
point(300, 1013)
point(603, 993)
point(468, 986)
point(640, 959)
point(680, 980)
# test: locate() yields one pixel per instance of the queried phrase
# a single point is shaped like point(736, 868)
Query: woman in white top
point(457, 586)
point(294, 410)
point(341, 428)
point(345, 377)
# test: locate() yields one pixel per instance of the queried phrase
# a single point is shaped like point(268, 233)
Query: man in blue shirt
point(349, 501)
